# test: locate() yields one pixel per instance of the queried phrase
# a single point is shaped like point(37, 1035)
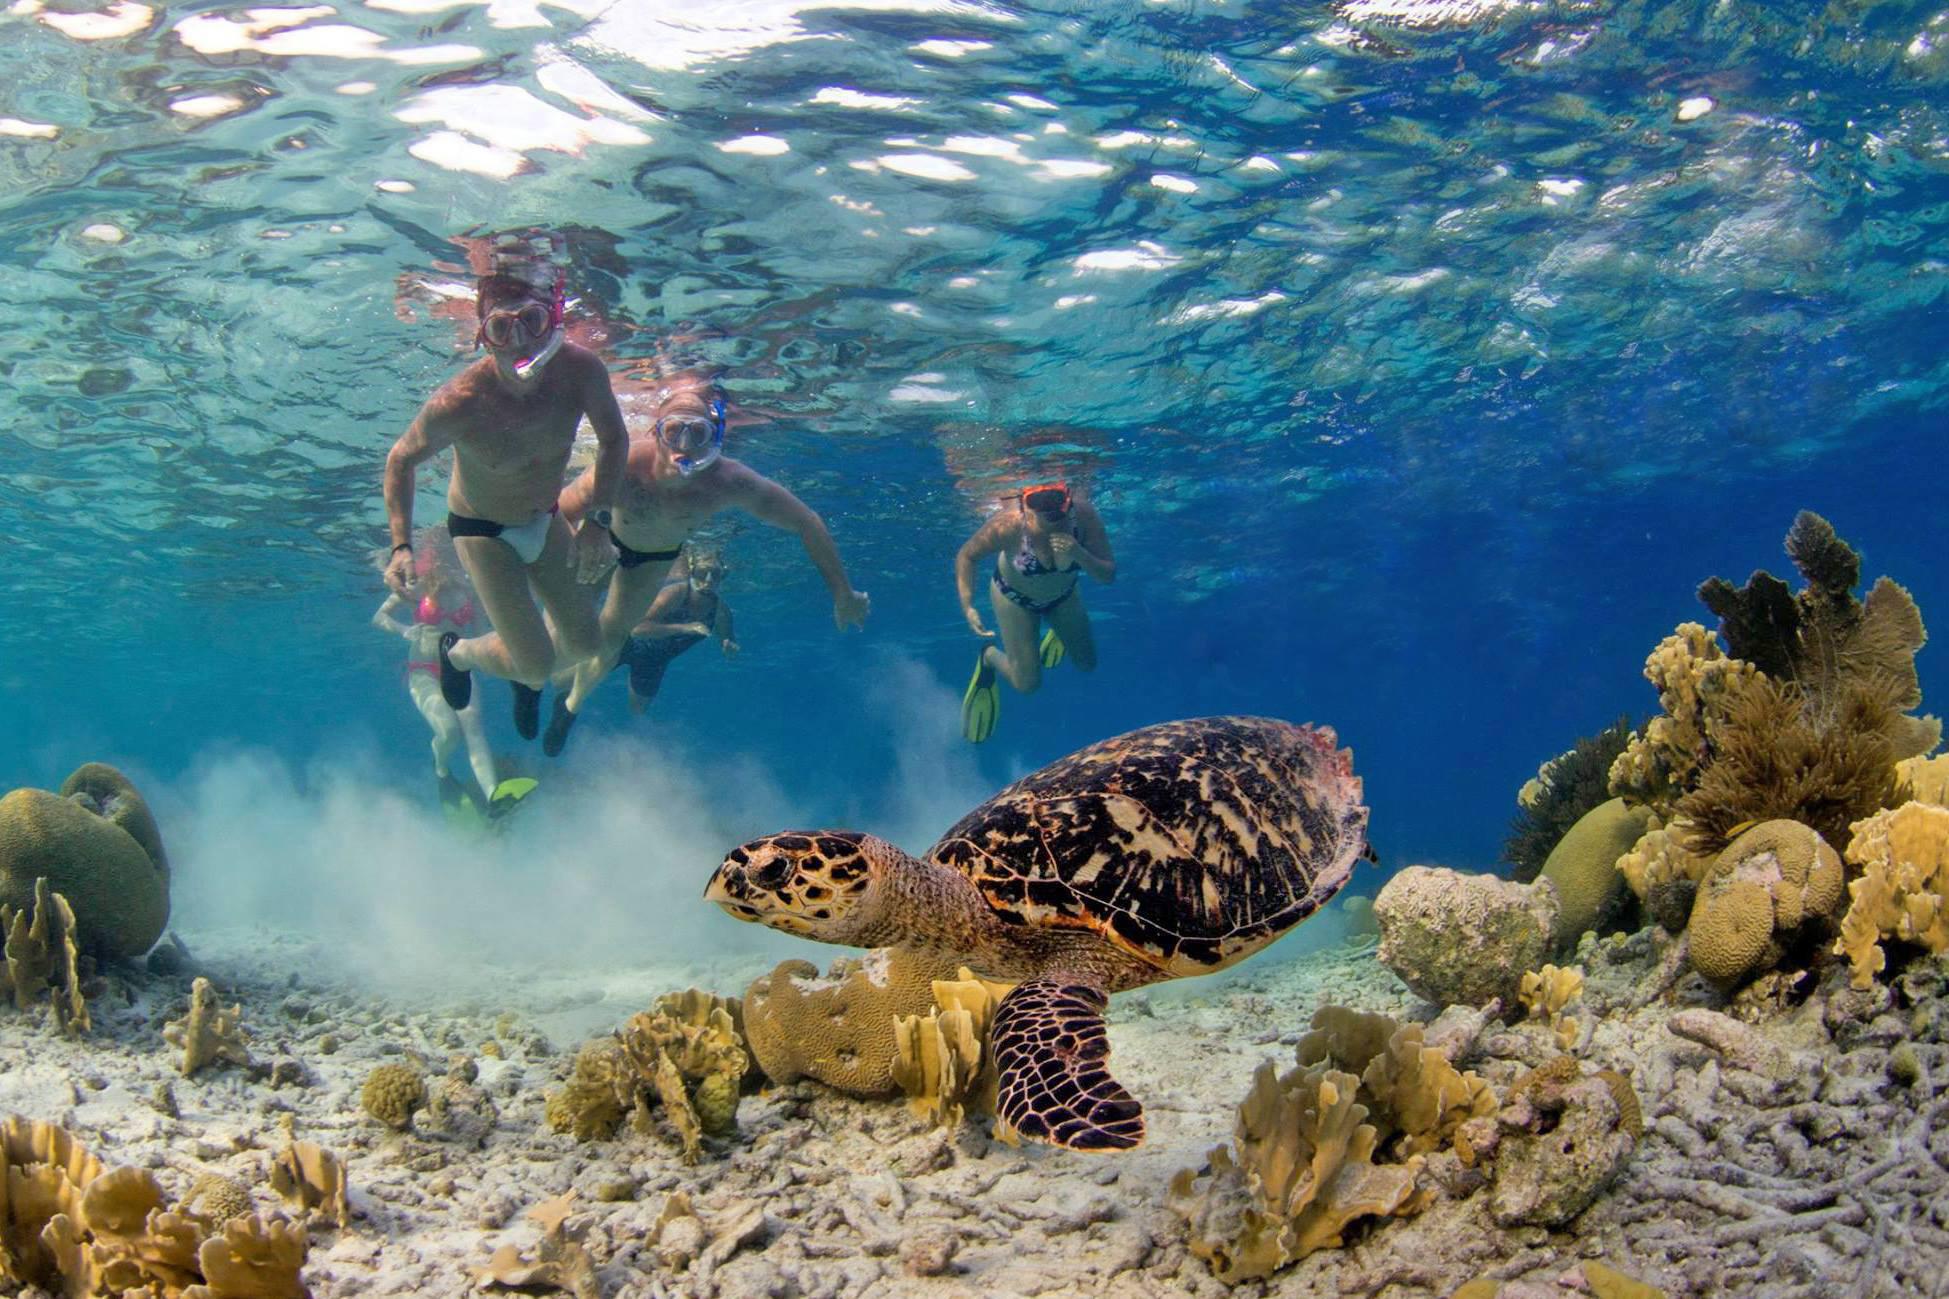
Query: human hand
point(1063, 548)
point(698, 628)
point(849, 610)
point(595, 553)
point(975, 624)
point(730, 648)
point(399, 570)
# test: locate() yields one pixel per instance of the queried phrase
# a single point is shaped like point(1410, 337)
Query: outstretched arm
point(727, 636)
point(432, 431)
point(594, 550)
point(766, 501)
point(665, 619)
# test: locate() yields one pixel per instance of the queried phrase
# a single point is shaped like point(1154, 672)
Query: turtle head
point(820, 884)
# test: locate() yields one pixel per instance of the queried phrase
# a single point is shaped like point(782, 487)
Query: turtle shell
point(1191, 844)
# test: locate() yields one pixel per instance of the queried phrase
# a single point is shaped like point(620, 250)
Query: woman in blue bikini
point(1042, 547)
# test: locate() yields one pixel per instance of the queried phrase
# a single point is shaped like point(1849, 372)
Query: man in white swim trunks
point(676, 477)
point(510, 418)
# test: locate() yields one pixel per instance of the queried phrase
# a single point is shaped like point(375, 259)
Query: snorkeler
point(511, 419)
point(444, 603)
point(687, 610)
point(675, 479)
point(1042, 547)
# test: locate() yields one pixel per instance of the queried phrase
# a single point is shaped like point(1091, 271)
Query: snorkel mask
point(1047, 498)
point(693, 441)
point(530, 261)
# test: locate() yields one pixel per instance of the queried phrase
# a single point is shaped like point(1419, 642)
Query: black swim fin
point(527, 710)
point(556, 738)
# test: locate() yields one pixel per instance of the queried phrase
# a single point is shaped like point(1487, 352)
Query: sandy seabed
point(1788, 1159)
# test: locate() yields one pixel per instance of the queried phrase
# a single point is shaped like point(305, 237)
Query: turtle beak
point(727, 888)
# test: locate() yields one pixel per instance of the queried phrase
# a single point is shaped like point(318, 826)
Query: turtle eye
point(772, 872)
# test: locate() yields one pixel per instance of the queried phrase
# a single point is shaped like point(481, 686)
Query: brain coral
point(1769, 881)
point(1583, 865)
point(120, 898)
point(839, 1029)
point(106, 791)
point(391, 1093)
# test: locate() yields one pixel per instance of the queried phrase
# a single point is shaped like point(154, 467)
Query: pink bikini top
point(429, 613)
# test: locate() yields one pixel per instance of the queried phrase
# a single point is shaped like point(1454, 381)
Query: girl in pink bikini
point(438, 602)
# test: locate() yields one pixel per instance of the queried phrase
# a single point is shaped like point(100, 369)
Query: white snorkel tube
point(523, 369)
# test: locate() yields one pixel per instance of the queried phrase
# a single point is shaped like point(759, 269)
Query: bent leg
point(631, 592)
point(1072, 623)
point(519, 648)
point(1019, 659)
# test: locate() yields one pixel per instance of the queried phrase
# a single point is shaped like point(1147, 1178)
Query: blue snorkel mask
point(694, 442)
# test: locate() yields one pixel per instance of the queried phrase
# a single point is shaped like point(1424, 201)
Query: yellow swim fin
point(1052, 650)
point(982, 703)
point(508, 795)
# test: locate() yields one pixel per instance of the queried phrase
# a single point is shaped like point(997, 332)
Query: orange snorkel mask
point(1047, 498)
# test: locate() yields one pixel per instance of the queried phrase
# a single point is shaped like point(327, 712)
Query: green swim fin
point(508, 795)
point(982, 703)
point(1052, 650)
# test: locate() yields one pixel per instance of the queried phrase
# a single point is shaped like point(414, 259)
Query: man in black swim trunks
point(510, 418)
point(676, 477)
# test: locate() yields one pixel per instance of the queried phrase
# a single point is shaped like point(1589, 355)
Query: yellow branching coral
point(1299, 1173)
point(1902, 893)
point(838, 1029)
point(1690, 672)
point(68, 1225)
point(1772, 879)
point(1926, 779)
point(687, 1052)
point(209, 1033)
point(1416, 1098)
point(942, 1061)
point(1660, 857)
point(601, 1089)
point(42, 957)
point(312, 1178)
point(1547, 992)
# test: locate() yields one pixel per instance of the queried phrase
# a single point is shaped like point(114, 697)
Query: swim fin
point(982, 703)
point(456, 684)
point(1052, 650)
point(508, 795)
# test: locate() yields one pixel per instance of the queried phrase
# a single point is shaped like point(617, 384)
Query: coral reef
point(560, 1262)
point(67, 1223)
point(391, 1094)
point(1565, 1134)
point(1582, 868)
point(839, 1030)
point(1299, 1173)
point(1562, 791)
point(942, 1061)
point(42, 958)
point(208, 1033)
point(1902, 893)
point(1664, 760)
point(1775, 758)
point(1823, 640)
point(1665, 875)
point(312, 1179)
point(1770, 881)
point(1926, 780)
point(119, 894)
point(1461, 939)
point(107, 792)
point(1548, 992)
point(686, 1051)
point(1417, 1100)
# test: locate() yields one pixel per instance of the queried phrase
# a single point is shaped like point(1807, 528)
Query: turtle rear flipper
point(1050, 1047)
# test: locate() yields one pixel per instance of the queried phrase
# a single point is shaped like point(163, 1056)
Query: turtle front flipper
point(1050, 1047)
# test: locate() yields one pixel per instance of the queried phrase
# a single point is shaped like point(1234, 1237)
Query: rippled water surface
point(1409, 333)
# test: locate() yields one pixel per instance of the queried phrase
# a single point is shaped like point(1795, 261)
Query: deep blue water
point(1420, 373)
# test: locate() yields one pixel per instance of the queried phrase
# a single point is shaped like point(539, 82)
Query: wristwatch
point(601, 518)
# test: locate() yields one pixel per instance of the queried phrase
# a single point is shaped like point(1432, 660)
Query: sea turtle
point(1174, 850)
